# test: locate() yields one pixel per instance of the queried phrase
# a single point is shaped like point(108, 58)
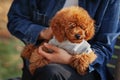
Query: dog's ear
point(56, 25)
point(90, 30)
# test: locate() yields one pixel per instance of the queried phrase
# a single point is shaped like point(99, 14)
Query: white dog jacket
point(72, 48)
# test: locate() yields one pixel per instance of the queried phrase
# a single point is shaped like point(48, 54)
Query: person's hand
point(58, 55)
point(46, 34)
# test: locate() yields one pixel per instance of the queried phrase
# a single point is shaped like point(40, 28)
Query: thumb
point(43, 53)
point(49, 46)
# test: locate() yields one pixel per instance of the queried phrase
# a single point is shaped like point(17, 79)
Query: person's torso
point(46, 9)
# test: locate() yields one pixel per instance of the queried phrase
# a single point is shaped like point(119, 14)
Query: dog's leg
point(81, 62)
point(27, 51)
point(36, 61)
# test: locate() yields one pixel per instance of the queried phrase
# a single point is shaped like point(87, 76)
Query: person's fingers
point(49, 46)
point(43, 53)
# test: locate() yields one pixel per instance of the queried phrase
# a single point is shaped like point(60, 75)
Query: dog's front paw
point(81, 62)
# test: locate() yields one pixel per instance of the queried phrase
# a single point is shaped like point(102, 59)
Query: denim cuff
point(31, 35)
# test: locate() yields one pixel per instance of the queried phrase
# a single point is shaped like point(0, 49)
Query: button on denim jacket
point(26, 18)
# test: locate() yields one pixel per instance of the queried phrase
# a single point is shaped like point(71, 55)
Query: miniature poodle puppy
point(72, 27)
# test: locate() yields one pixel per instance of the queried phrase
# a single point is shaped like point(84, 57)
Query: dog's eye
point(82, 27)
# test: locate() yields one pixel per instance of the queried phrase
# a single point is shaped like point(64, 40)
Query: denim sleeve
point(20, 24)
point(104, 41)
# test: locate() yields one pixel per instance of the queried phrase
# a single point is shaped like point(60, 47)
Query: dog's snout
point(77, 36)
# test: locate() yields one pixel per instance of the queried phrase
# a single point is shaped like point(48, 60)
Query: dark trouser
point(58, 72)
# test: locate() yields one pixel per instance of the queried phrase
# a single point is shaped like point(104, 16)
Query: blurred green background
point(10, 47)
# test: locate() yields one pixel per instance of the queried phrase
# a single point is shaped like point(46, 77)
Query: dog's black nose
point(77, 36)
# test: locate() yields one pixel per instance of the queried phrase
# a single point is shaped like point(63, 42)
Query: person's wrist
point(68, 61)
point(41, 36)
point(45, 34)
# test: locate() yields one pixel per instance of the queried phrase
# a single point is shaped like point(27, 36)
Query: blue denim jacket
point(28, 17)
